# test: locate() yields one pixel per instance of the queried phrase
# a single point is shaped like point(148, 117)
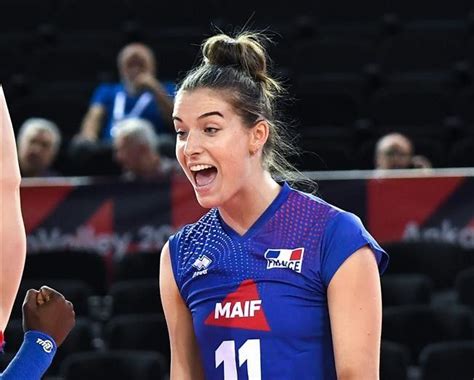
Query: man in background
point(136, 146)
point(396, 151)
point(38, 145)
point(139, 95)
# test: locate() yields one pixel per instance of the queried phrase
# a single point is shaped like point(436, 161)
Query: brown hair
point(238, 67)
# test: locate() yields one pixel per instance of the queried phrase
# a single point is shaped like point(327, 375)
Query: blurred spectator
point(139, 94)
point(136, 150)
point(395, 151)
point(38, 144)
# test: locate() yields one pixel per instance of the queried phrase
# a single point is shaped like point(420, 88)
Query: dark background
point(354, 70)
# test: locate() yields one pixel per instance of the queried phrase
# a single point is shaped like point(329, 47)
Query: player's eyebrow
point(212, 113)
point(204, 115)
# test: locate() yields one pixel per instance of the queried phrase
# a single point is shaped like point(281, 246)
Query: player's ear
point(258, 136)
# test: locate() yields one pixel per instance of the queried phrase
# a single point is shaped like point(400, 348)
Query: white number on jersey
point(249, 352)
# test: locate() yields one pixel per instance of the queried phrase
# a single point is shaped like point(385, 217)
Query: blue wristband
point(33, 359)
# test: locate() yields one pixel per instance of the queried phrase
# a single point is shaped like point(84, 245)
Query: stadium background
point(354, 70)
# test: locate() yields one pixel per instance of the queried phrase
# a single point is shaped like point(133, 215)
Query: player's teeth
point(200, 167)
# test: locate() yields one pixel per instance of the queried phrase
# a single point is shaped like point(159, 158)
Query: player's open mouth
point(203, 174)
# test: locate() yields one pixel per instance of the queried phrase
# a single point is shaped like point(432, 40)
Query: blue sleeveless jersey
point(258, 301)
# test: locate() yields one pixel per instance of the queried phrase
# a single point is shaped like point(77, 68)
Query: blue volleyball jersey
point(258, 301)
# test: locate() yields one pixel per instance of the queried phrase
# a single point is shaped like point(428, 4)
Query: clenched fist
point(48, 311)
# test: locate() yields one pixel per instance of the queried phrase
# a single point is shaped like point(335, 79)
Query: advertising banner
point(117, 218)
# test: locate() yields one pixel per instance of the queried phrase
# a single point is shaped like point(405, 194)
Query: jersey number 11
point(249, 352)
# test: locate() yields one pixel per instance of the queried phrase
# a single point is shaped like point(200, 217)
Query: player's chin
point(207, 199)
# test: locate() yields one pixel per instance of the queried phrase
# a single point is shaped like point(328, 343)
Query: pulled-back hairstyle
point(238, 67)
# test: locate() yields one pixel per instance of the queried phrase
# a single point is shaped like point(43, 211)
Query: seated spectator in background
point(38, 144)
point(139, 94)
point(395, 151)
point(136, 150)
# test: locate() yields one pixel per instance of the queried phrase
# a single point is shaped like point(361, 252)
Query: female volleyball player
point(271, 283)
point(47, 316)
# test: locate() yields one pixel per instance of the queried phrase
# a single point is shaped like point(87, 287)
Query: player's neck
point(244, 209)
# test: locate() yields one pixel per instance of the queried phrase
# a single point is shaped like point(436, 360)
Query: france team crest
point(285, 258)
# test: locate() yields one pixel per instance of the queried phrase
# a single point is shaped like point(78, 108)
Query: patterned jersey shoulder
point(190, 240)
point(344, 233)
point(193, 231)
point(312, 206)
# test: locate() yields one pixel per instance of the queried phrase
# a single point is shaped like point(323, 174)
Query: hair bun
point(244, 52)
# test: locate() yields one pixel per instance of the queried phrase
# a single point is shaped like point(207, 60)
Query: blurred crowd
point(131, 120)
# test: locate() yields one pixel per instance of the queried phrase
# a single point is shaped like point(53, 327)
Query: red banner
point(117, 217)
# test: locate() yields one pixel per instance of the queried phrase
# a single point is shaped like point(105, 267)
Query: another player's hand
point(48, 311)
